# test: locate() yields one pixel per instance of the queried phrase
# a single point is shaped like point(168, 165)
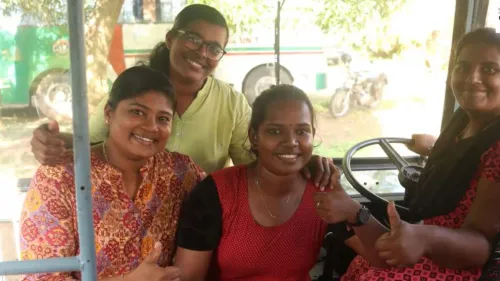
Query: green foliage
point(44, 12)
point(243, 15)
point(363, 24)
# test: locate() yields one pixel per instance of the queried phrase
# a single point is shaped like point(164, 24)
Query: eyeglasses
point(194, 43)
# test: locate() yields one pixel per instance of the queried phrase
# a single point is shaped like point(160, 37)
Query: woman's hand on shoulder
point(149, 269)
point(422, 144)
point(322, 171)
point(335, 206)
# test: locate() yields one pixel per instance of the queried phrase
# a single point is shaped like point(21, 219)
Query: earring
point(106, 121)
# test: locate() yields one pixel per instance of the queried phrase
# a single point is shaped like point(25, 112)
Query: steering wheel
point(408, 174)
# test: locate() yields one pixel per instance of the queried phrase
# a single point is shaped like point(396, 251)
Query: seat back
point(337, 260)
point(491, 270)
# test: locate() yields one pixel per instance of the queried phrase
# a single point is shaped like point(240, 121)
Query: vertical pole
point(81, 140)
point(463, 21)
point(277, 23)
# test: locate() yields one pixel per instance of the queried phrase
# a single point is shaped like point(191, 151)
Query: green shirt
point(213, 130)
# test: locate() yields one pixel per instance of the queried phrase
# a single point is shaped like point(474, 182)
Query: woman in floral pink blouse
point(137, 189)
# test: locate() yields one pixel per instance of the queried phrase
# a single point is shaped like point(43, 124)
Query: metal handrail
point(86, 260)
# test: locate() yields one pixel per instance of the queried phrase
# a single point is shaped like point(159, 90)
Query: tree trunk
point(98, 34)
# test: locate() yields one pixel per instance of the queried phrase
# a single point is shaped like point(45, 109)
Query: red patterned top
point(217, 218)
point(426, 270)
point(125, 229)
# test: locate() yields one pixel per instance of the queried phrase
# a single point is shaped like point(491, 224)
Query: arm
point(470, 245)
point(336, 206)
point(366, 237)
point(239, 148)
point(48, 144)
point(193, 264)
point(199, 232)
point(466, 247)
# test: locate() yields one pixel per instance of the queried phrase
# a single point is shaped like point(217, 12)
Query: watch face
point(364, 215)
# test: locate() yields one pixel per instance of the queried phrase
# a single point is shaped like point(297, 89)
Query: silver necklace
point(264, 200)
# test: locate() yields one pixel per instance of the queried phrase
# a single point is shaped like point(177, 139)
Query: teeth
point(143, 138)
point(195, 64)
point(288, 156)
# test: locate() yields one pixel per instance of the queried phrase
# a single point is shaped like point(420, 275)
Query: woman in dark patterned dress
point(459, 192)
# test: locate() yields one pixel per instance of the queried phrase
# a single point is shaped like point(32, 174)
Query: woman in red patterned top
point(458, 192)
point(259, 221)
point(137, 190)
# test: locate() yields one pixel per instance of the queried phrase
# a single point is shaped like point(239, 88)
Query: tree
point(246, 16)
point(101, 18)
point(362, 24)
point(242, 15)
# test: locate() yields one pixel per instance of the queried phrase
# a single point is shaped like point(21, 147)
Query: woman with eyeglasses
point(211, 119)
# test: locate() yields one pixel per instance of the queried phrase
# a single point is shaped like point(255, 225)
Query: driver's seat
point(491, 270)
point(337, 259)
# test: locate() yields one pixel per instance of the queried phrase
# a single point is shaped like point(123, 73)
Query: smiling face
point(476, 79)
point(139, 127)
point(284, 140)
point(188, 62)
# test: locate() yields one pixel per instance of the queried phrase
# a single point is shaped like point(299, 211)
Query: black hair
point(159, 58)
point(275, 94)
point(485, 35)
point(137, 80)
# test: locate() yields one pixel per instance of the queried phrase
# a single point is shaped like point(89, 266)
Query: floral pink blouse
point(125, 229)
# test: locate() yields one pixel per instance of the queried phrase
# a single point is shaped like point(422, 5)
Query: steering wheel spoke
point(396, 159)
point(408, 174)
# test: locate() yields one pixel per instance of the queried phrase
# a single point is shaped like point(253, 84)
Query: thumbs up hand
point(154, 256)
point(149, 269)
point(47, 144)
point(404, 245)
point(394, 219)
point(53, 127)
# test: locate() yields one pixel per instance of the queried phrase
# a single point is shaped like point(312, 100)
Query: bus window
point(167, 9)
point(393, 83)
point(157, 11)
point(493, 15)
point(372, 76)
point(138, 10)
point(132, 12)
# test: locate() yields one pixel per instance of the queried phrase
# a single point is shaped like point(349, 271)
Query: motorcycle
point(361, 88)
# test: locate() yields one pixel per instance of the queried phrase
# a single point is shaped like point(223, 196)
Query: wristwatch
point(362, 217)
